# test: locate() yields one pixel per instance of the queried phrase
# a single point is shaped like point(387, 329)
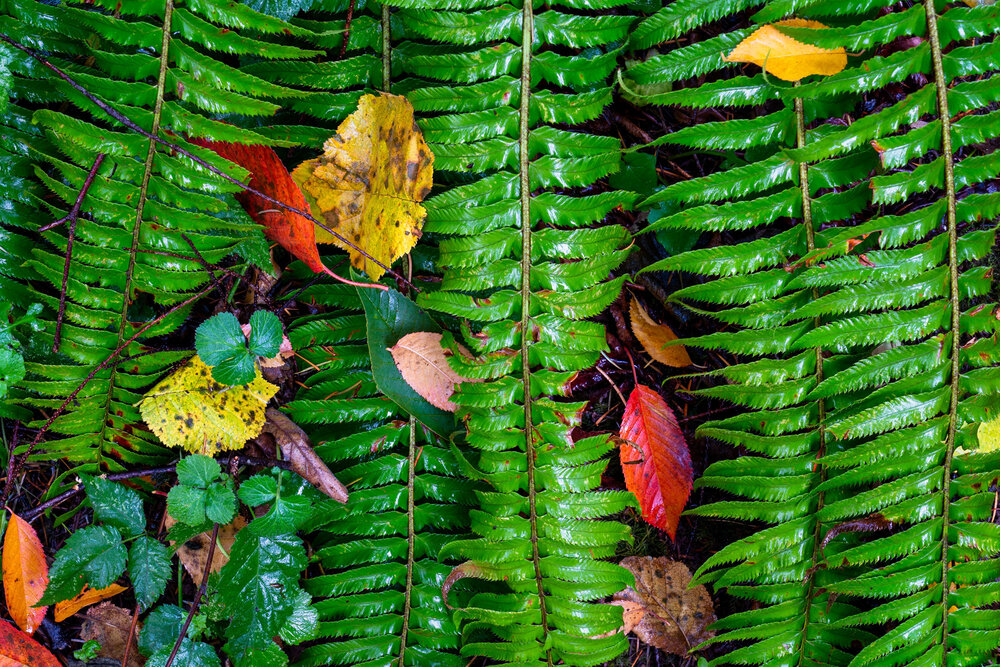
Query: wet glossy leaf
point(655, 459)
point(368, 184)
point(784, 57)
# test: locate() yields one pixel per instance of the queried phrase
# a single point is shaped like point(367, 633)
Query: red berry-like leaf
point(655, 459)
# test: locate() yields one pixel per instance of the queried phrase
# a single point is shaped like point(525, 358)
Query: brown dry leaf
point(368, 184)
point(784, 57)
point(676, 619)
point(423, 362)
point(87, 597)
point(25, 574)
point(109, 625)
point(296, 448)
point(655, 336)
point(193, 554)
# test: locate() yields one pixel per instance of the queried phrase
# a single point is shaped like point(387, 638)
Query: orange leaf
point(655, 459)
point(87, 597)
point(293, 232)
point(19, 650)
point(654, 338)
point(787, 58)
point(25, 574)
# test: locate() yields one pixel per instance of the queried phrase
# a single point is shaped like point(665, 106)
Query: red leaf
point(291, 231)
point(655, 459)
point(19, 650)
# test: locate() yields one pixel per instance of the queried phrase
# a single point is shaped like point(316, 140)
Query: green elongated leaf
point(149, 569)
point(390, 316)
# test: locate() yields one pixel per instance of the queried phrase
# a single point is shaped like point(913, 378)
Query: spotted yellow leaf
point(988, 435)
point(191, 410)
point(784, 57)
point(368, 184)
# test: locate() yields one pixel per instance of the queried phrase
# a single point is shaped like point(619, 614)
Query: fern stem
point(386, 49)
point(527, 37)
point(807, 220)
point(941, 83)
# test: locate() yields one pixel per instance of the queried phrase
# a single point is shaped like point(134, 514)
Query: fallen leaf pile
point(368, 184)
point(655, 459)
point(423, 362)
point(787, 58)
point(190, 409)
point(654, 338)
point(661, 610)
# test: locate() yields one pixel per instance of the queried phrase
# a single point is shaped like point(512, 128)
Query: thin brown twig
point(347, 29)
point(197, 596)
point(70, 219)
point(131, 634)
point(129, 123)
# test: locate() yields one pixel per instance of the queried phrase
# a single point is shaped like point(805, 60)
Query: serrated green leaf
point(149, 569)
point(116, 505)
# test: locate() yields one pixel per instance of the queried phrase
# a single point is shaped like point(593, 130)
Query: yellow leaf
point(989, 435)
point(784, 57)
point(368, 184)
point(191, 410)
point(655, 336)
point(87, 597)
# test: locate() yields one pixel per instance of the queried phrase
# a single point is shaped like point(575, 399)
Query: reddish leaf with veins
point(291, 231)
point(655, 459)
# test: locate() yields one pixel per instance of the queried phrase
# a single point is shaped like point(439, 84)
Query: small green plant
point(221, 344)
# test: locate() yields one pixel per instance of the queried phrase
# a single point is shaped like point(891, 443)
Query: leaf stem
point(819, 469)
point(941, 84)
point(527, 39)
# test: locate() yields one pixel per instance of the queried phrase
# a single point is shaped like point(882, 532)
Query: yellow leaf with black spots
point(191, 410)
point(368, 184)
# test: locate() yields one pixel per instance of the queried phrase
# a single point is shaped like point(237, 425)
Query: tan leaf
point(368, 184)
point(296, 448)
point(109, 625)
point(190, 409)
point(423, 362)
point(784, 57)
point(193, 554)
point(25, 574)
point(654, 338)
point(87, 597)
point(676, 618)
